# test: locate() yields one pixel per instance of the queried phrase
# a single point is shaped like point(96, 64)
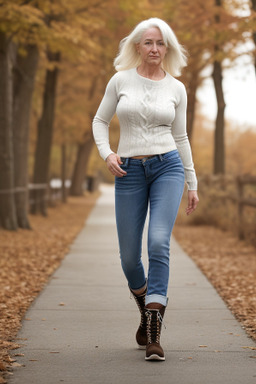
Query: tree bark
point(83, 151)
point(254, 32)
point(44, 139)
point(24, 76)
point(219, 138)
point(63, 173)
point(7, 200)
point(83, 155)
point(219, 135)
point(192, 88)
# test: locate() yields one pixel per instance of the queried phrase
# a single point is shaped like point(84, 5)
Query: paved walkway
point(80, 330)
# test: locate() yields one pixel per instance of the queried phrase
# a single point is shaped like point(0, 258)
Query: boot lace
point(140, 301)
point(154, 323)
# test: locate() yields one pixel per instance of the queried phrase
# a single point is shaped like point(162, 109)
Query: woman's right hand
point(113, 163)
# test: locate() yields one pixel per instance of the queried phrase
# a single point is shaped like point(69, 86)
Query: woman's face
point(151, 47)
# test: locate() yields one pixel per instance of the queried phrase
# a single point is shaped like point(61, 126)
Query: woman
point(152, 162)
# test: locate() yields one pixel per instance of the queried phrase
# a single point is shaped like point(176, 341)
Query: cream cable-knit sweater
point(152, 117)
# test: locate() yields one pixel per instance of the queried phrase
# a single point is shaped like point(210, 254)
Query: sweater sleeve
point(179, 133)
point(103, 117)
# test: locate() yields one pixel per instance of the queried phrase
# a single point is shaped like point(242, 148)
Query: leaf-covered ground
point(27, 260)
point(229, 264)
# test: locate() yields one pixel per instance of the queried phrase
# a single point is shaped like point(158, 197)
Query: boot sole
point(155, 357)
point(142, 347)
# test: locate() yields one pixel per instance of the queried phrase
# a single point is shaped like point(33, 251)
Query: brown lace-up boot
point(154, 351)
point(141, 335)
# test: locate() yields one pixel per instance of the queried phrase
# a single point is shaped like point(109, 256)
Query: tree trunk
point(254, 32)
point(83, 152)
point(63, 173)
point(44, 139)
point(7, 200)
point(24, 75)
point(83, 155)
point(192, 88)
point(219, 136)
point(219, 139)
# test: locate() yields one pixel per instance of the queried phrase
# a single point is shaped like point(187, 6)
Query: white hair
point(128, 57)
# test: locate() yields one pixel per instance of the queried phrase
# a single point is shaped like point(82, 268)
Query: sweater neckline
point(146, 80)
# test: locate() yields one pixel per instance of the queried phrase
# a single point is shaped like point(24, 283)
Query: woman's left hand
point(192, 202)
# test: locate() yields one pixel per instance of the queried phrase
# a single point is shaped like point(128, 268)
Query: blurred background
point(56, 57)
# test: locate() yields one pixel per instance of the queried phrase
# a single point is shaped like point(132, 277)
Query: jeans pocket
point(125, 161)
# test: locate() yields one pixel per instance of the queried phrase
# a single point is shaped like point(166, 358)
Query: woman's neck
point(151, 72)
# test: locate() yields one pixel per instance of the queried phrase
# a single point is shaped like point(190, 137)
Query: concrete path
point(80, 330)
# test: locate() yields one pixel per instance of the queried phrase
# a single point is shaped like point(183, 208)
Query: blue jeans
point(157, 183)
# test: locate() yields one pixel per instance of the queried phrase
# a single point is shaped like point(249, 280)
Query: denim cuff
point(136, 289)
point(156, 299)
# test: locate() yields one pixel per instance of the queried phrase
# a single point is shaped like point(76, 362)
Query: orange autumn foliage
point(240, 147)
